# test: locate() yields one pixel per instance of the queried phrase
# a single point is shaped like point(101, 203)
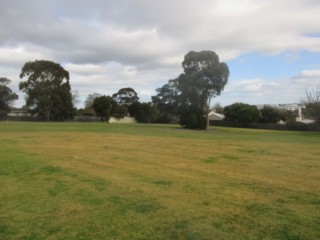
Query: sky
point(272, 47)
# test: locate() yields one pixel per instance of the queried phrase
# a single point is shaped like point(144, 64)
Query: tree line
point(246, 113)
point(185, 99)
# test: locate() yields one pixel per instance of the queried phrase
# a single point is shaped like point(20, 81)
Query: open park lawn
point(117, 181)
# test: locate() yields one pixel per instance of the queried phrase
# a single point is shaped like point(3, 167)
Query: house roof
point(215, 116)
point(18, 110)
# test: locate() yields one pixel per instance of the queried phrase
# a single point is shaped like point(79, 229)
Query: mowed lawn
point(114, 181)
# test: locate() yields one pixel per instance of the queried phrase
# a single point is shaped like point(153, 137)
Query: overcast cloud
point(110, 44)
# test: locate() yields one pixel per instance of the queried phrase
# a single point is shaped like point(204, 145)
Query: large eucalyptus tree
point(48, 89)
point(204, 77)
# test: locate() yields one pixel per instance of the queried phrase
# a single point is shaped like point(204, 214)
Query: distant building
point(215, 116)
point(122, 120)
point(290, 107)
point(18, 112)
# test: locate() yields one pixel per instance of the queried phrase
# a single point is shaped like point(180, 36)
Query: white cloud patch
point(263, 91)
point(309, 74)
point(107, 44)
point(84, 69)
point(108, 78)
point(18, 55)
point(146, 32)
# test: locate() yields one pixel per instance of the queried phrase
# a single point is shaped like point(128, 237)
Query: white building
point(290, 107)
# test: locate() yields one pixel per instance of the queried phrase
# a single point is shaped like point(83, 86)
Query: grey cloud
point(151, 36)
point(147, 31)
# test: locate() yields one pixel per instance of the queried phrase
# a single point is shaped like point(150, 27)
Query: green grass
point(130, 181)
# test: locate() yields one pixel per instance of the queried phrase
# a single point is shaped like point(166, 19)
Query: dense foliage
point(269, 114)
point(105, 107)
point(48, 89)
point(125, 97)
point(204, 77)
point(7, 97)
point(143, 112)
point(192, 117)
point(241, 112)
point(245, 113)
point(166, 102)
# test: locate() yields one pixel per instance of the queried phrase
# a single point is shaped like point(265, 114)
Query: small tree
point(104, 107)
point(312, 103)
point(269, 114)
point(242, 113)
point(7, 97)
point(126, 97)
point(119, 111)
point(143, 112)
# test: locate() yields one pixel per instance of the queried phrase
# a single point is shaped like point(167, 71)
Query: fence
point(75, 119)
point(23, 118)
point(268, 126)
point(86, 119)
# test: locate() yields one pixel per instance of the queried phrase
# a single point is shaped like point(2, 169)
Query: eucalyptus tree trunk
point(208, 122)
point(208, 110)
point(47, 116)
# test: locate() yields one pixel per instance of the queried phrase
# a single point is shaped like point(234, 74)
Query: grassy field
point(111, 181)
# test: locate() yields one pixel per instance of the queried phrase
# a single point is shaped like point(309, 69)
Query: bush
point(143, 112)
point(193, 117)
point(269, 114)
point(242, 113)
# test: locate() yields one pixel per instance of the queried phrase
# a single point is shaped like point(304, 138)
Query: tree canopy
point(105, 107)
point(48, 89)
point(166, 101)
point(143, 112)
point(204, 77)
point(126, 97)
point(7, 96)
point(269, 114)
point(242, 113)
